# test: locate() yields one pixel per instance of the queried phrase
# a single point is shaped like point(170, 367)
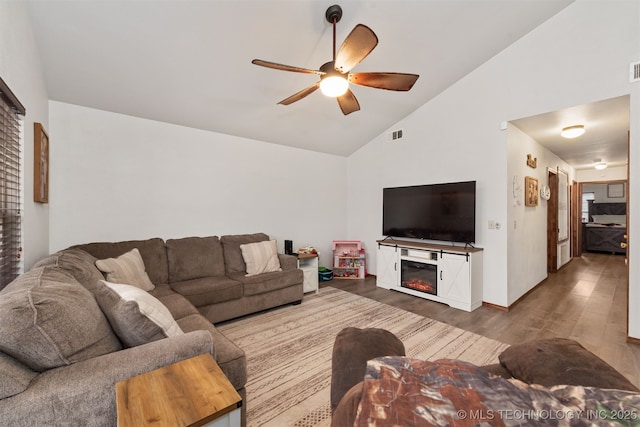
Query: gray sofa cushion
point(47, 319)
point(194, 257)
point(228, 355)
point(127, 269)
point(288, 262)
point(153, 254)
point(267, 282)
point(49, 260)
point(209, 290)
point(14, 376)
point(81, 265)
point(178, 305)
point(129, 323)
point(233, 260)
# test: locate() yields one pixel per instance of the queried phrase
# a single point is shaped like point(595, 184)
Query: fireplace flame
point(419, 285)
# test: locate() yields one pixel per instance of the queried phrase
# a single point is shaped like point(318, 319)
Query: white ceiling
point(188, 62)
point(605, 139)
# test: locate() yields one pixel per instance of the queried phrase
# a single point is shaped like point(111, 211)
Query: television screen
point(445, 212)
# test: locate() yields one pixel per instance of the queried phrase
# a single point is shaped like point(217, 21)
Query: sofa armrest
point(85, 391)
point(288, 262)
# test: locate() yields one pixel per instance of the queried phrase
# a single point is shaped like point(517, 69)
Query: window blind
point(10, 186)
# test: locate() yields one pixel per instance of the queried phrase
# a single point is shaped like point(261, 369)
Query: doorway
point(603, 216)
point(605, 141)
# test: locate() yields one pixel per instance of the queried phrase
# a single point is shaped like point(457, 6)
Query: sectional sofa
point(69, 330)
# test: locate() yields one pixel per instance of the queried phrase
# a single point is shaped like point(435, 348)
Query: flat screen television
point(443, 212)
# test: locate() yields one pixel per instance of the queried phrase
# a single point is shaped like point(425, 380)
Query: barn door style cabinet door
point(388, 269)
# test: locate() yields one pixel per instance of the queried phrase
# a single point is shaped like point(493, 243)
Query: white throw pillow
point(149, 306)
point(128, 268)
point(260, 257)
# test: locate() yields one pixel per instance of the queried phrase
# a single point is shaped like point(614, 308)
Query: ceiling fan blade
point(389, 81)
point(348, 103)
point(283, 67)
point(298, 96)
point(358, 44)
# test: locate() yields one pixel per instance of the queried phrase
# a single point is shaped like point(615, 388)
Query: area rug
point(289, 351)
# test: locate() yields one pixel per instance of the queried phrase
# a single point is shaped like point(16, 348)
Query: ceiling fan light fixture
point(335, 75)
point(572, 131)
point(334, 86)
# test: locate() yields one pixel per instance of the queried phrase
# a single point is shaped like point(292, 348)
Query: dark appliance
point(288, 247)
point(444, 212)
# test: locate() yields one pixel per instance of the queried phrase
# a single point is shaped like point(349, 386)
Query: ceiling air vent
point(396, 134)
point(634, 72)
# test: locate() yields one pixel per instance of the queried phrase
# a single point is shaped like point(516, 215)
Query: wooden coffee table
point(193, 392)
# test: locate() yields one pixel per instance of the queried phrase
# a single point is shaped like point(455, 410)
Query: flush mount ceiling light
point(572, 131)
point(600, 165)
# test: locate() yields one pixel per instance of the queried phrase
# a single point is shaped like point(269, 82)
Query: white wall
point(117, 177)
point(579, 56)
point(615, 173)
point(527, 225)
point(21, 69)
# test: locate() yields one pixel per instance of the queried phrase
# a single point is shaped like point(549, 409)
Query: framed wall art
point(615, 190)
point(40, 164)
point(531, 191)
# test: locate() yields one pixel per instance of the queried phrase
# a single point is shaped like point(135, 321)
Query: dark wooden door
point(552, 224)
point(576, 219)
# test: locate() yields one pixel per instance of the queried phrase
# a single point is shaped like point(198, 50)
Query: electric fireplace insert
point(419, 276)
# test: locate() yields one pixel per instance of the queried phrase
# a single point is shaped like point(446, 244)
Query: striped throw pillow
point(127, 269)
point(260, 257)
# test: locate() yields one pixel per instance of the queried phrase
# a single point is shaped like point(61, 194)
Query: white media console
point(447, 274)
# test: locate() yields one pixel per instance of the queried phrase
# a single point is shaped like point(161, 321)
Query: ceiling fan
point(335, 75)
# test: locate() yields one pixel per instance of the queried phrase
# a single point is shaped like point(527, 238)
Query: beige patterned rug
point(289, 351)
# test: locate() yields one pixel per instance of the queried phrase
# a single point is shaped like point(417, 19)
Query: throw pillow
point(233, 261)
point(261, 257)
point(48, 319)
point(554, 361)
point(128, 269)
point(136, 316)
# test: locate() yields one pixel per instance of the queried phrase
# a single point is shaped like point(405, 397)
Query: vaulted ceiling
point(188, 62)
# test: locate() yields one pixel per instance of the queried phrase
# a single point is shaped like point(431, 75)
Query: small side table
point(308, 263)
point(193, 392)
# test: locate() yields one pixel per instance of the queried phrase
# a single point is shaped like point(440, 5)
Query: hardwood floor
point(586, 300)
